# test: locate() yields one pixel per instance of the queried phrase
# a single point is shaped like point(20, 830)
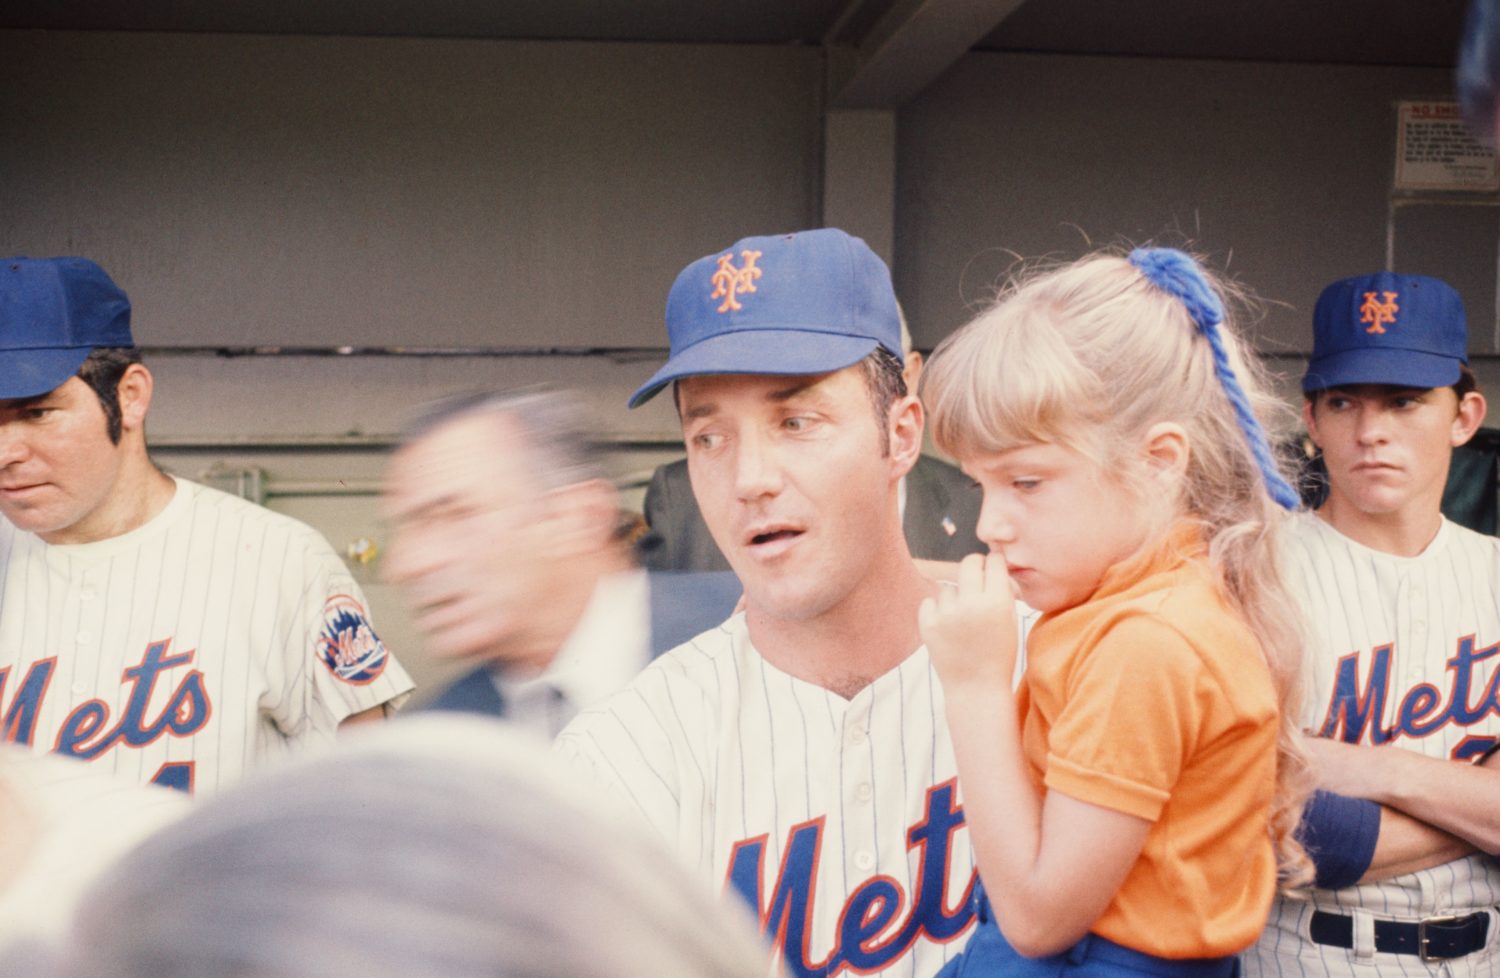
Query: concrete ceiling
point(881, 52)
point(687, 21)
point(1421, 33)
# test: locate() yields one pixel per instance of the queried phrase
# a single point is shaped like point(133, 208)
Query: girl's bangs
point(1006, 380)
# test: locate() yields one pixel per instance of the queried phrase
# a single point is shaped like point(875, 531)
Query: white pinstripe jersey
point(1402, 650)
point(837, 819)
point(214, 637)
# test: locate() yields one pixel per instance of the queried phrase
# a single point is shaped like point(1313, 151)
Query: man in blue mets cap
point(161, 629)
point(939, 504)
point(1402, 690)
point(799, 750)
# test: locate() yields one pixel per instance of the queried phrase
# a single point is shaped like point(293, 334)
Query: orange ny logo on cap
point(1378, 313)
point(730, 282)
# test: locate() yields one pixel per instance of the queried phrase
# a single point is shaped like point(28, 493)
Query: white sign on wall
point(1435, 150)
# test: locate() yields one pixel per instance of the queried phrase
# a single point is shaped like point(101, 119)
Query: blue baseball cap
point(53, 313)
point(1407, 330)
point(810, 302)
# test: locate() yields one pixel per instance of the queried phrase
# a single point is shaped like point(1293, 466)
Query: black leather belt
point(1433, 939)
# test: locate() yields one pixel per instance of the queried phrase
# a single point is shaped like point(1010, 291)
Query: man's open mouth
point(774, 535)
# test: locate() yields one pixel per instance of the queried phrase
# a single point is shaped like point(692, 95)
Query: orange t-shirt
point(1152, 698)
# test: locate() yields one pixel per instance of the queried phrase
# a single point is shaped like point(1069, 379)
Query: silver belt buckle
point(1422, 934)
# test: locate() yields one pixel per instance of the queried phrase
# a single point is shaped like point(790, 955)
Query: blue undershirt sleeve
point(1339, 834)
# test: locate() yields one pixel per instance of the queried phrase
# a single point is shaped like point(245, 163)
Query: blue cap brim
point(1381, 365)
point(777, 352)
point(29, 373)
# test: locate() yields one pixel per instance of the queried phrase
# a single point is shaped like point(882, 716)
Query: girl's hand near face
point(970, 629)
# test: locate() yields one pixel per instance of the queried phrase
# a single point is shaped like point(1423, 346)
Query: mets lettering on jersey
point(877, 923)
point(86, 732)
point(837, 820)
point(1357, 709)
point(186, 651)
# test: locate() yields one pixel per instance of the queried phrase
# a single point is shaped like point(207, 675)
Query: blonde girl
point(1130, 803)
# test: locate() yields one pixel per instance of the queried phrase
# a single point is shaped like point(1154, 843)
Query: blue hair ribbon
point(1178, 275)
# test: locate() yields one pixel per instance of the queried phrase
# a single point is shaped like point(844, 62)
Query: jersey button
point(87, 594)
point(864, 792)
point(857, 735)
point(865, 860)
point(83, 638)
